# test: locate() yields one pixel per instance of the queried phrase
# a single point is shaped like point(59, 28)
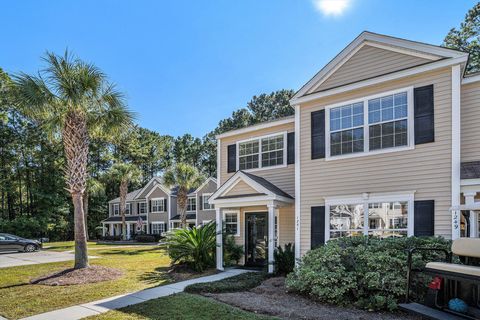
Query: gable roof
point(130, 196)
point(427, 51)
point(205, 183)
point(262, 187)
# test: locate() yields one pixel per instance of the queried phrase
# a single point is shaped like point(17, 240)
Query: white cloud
point(331, 7)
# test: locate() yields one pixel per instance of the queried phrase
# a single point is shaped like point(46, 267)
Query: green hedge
point(369, 273)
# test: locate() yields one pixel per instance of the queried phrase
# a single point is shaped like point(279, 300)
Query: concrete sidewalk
point(105, 305)
point(14, 259)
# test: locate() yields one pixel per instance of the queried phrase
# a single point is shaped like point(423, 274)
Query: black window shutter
point(165, 205)
point(149, 205)
point(200, 205)
point(424, 218)
point(138, 207)
point(318, 226)
point(232, 158)
point(424, 115)
point(291, 148)
point(318, 134)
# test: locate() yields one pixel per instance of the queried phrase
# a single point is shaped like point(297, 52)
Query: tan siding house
point(383, 143)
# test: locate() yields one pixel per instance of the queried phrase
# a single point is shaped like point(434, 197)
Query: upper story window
point(158, 205)
point(371, 125)
point(142, 208)
point(192, 204)
point(128, 208)
point(262, 152)
point(206, 205)
point(116, 209)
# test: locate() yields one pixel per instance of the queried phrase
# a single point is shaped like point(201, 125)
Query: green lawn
point(182, 306)
point(70, 245)
point(143, 267)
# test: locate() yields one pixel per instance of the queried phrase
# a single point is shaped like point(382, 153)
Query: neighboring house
point(384, 142)
point(153, 209)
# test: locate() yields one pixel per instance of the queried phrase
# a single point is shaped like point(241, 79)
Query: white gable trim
point(157, 186)
point(412, 47)
point(256, 127)
point(146, 186)
point(380, 79)
point(204, 184)
point(235, 179)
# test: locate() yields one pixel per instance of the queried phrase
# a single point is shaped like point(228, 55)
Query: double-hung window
point(128, 208)
point(346, 129)
point(262, 152)
point(143, 208)
point(231, 223)
point(116, 209)
point(374, 124)
point(158, 227)
point(388, 121)
point(192, 204)
point(206, 205)
point(158, 205)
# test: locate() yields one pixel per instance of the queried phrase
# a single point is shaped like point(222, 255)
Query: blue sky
point(185, 65)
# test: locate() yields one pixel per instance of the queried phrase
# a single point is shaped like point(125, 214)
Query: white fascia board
point(256, 127)
point(471, 79)
point(380, 79)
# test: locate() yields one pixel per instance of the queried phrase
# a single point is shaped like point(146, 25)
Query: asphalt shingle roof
point(470, 170)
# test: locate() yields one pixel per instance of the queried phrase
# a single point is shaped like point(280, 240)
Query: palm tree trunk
point(123, 198)
point(81, 255)
point(85, 209)
point(182, 205)
point(75, 143)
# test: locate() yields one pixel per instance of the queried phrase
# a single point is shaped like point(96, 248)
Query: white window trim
point(118, 208)
point(161, 223)
point(188, 199)
point(366, 125)
point(207, 195)
point(285, 147)
point(365, 199)
point(156, 199)
point(238, 220)
point(204, 222)
point(140, 207)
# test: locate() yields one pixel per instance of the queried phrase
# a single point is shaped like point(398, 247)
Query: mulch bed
point(271, 298)
point(181, 272)
point(69, 277)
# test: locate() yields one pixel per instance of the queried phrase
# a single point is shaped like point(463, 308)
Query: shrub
point(284, 259)
point(369, 272)
point(232, 252)
point(112, 238)
point(195, 246)
point(145, 238)
point(241, 282)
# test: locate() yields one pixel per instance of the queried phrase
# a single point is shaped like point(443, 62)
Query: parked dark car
point(9, 242)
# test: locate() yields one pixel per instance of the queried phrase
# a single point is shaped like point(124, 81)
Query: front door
point(256, 239)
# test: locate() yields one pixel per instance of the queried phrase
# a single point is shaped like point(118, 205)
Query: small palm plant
point(73, 100)
point(193, 246)
point(125, 173)
point(185, 177)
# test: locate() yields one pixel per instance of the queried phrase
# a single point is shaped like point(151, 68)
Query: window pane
point(346, 217)
point(385, 219)
point(335, 124)
point(272, 151)
point(387, 114)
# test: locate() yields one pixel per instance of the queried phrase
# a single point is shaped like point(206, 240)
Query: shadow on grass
point(159, 276)
point(16, 285)
point(128, 252)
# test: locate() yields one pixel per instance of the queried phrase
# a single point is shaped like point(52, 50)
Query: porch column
point(128, 231)
point(271, 235)
point(219, 220)
point(103, 229)
point(112, 229)
point(473, 219)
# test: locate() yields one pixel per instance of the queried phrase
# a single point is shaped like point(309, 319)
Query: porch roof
point(190, 216)
point(127, 218)
point(470, 170)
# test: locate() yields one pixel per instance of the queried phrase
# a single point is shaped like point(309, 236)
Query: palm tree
point(185, 177)
point(125, 173)
point(73, 100)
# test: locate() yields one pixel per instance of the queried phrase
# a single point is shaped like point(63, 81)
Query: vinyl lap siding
point(426, 169)
point(470, 115)
point(370, 62)
point(210, 187)
point(241, 188)
point(286, 225)
point(284, 177)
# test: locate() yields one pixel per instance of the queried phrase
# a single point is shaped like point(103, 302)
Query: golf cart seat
point(460, 269)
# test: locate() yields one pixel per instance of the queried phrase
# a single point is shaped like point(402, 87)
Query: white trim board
point(256, 127)
point(412, 47)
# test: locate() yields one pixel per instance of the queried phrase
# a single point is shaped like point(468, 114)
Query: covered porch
point(112, 226)
point(257, 214)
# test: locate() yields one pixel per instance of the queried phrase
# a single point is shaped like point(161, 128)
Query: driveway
point(13, 259)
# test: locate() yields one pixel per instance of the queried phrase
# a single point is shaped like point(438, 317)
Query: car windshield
point(6, 236)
